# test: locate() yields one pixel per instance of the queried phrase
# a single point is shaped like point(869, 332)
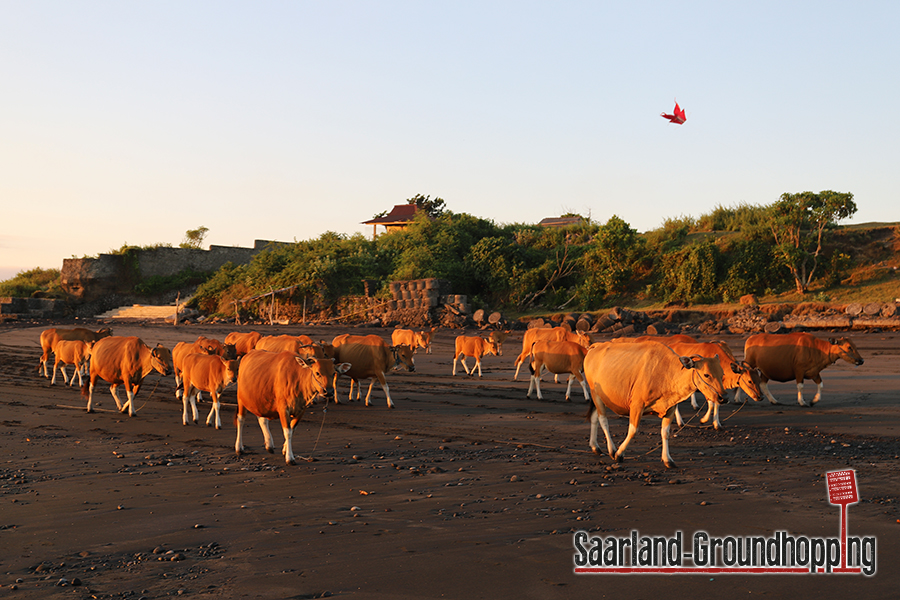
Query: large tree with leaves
point(798, 223)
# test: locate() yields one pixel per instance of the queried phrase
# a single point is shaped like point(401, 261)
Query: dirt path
point(466, 490)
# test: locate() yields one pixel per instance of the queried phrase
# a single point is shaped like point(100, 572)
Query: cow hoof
point(670, 465)
point(617, 458)
point(596, 451)
point(270, 450)
point(90, 411)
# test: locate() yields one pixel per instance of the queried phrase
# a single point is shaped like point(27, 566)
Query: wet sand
point(466, 490)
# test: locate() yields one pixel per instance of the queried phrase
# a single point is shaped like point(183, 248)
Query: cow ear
point(686, 362)
point(303, 361)
point(736, 368)
point(832, 341)
point(342, 368)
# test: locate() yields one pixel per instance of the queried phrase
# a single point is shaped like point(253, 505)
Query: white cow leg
point(712, 410)
point(664, 434)
point(130, 403)
point(288, 450)
point(369, 392)
point(678, 418)
point(694, 404)
point(454, 364)
point(214, 411)
point(477, 364)
point(387, 392)
point(113, 389)
point(800, 395)
point(569, 387)
point(80, 381)
point(587, 394)
point(632, 430)
point(267, 435)
point(185, 401)
point(90, 398)
point(53, 381)
point(818, 395)
point(515, 377)
point(194, 398)
point(464, 366)
point(599, 419)
point(530, 386)
point(764, 386)
point(537, 385)
point(239, 442)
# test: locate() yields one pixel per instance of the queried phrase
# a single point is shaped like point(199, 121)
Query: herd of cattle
point(279, 376)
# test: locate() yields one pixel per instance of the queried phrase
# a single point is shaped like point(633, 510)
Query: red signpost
point(842, 490)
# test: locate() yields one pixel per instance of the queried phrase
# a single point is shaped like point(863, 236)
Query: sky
point(133, 122)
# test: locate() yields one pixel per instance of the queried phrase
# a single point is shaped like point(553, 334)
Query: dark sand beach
point(466, 490)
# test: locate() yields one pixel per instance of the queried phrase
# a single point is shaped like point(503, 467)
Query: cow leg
point(78, 370)
point(536, 381)
point(55, 366)
point(334, 385)
point(130, 392)
point(819, 386)
point(214, 410)
point(288, 430)
point(239, 424)
point(712, 410)
point(477, 364)
point(678, 418)
point(800, 395)
point(764, 386)
point(384, 386)
point(267, 435)
point(90, 395)
point(694, 403)
point(664, 434)
point(598, 417)
point(358, 388)
point(569, 387)
point(188, 397)
point(455, 358)
point(463, 361)
point(634, 419)
point(113, 389)
point(519, 361)
point(581, 379)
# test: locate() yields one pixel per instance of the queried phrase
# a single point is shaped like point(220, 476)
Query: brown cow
point(280, 386)
point(124, 360)
point(474, 346)
point(737, 375)
point(427, 336)
point(408, 337)
point(796, 356)
point(71, 352)
point(633, 379)
point(370, 357)
point(551, 334)
point(203, 345)
point(499, 337)
point(49, 337)
point(558, 358)
point(208, 373)
point(242, 342)
point(298, 344)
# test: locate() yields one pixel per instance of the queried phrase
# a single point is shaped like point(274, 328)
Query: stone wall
point(88, 279)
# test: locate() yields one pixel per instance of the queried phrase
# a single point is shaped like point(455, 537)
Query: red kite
point(678, 118)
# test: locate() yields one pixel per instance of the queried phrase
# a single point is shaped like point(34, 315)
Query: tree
point(433, 208)
point(798, 223)
point(193, 238)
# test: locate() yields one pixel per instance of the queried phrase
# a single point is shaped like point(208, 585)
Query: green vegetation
point(29, 283)
point(786, 252)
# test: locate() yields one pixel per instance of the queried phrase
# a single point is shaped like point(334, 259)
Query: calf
point(280, 386)
point(557, 334)
point(558, 358)
point(71, 352)
point(473, 346)
point(408, 337)
point(49, 338)
point(124, 360)
point(209, 373)
point(203, 345)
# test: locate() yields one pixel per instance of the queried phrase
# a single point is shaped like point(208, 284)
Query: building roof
point(401, 213)
point(560, 221)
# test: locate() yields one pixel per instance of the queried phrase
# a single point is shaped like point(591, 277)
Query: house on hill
point(399, 218)
point(560, 221)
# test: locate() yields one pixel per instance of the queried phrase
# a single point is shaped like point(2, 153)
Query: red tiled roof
point(401, 213)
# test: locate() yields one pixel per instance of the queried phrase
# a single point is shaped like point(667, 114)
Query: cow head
point(102, 333)
point(706, 376)
point(229, 352)
point(499, 337)
point(231, 370)
point(584, 339)
point(403, 354)
point(322, 372)
point(749, 379)
point(161, 359)
point(846, 349)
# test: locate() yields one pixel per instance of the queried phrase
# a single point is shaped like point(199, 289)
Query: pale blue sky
point(135, 121)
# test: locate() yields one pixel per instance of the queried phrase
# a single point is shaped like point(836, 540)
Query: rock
point(749, 299)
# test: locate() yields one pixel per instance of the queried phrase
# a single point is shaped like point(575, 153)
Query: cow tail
point(590, 410)
point(531, 362)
